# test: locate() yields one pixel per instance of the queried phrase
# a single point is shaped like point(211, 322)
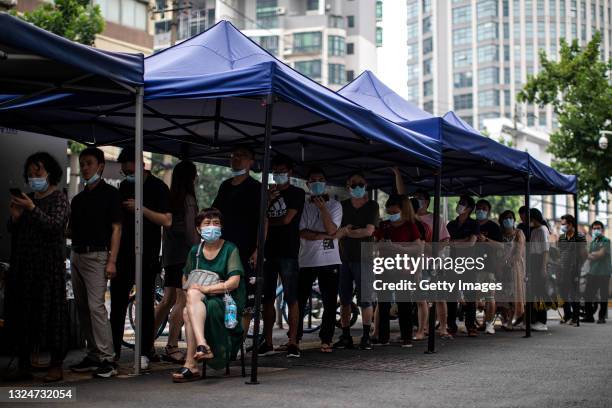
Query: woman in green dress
point(207, 337)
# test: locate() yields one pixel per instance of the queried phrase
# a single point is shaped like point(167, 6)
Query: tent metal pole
point(528, 304)
point(575, 195)
point(431, 339)
point(263, 207)
point(138, 224)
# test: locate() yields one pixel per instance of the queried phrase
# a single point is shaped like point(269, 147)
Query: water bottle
point(230, 312)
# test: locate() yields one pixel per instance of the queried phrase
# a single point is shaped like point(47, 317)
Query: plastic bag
point(231, 310)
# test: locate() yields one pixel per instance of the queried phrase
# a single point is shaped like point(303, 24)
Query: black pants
point(328, 284)
point(469, 311)
point(121, 287)
point(404, 311)
point(538, 316)
point(596, 284)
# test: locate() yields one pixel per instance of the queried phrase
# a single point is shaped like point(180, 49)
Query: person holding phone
point(36, 305)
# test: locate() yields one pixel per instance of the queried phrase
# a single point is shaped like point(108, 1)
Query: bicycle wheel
point(313, 313)
point(129, 333)
point(354, 315)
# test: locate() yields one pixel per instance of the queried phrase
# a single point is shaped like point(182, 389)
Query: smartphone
point(16, 192)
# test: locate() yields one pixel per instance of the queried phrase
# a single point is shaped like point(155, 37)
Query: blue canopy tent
point(39, 68)
point(220, 89)
point(471, 163)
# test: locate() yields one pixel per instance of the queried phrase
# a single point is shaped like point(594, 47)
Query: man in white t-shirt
point(319, 256)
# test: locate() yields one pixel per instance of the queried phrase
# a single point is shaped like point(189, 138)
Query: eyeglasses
point(355, 185)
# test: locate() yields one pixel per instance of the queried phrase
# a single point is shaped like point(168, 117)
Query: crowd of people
point(209, 259)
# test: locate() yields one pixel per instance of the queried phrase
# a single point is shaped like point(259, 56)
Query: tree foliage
point(578, 86)
point(76, 20)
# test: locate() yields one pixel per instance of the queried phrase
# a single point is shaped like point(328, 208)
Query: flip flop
point(203, 352)
point(174, 355)
point(183, 375)
point(326, 348)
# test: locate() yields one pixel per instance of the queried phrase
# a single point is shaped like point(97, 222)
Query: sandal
point(326, 348)
point(446, 336)
point(184, 374)
point(174, 355)
point(203, 352)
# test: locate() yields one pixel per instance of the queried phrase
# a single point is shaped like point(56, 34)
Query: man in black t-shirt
point(95, 222)
point(285, 206)
point(463, 229)
point(156, 213)
point(238, 200)
point(490, 233)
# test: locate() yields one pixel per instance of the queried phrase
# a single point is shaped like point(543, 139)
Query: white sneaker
point(537, 326)
point(489, 328)
point(144, 362)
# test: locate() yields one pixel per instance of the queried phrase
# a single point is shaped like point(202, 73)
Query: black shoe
point(106, 370)
point(574, 322)
point(588, 320)
point(86, 365)
point(345, 342)
point(265, 349)
point(601, 321)
point(365, 343)
point(293, 351)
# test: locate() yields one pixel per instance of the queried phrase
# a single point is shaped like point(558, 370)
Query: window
point(350, 21)
point(463, 101)
point(542, 119)
point(487, 8)
point(311, 69)
point(426, 6)
point(413, 93)
point(413, 71)
point(336, 21)
point(529, 52)
point(462, 36)
point(488, 76)
point(529, 30)
point(427, 25)
point(428, 88)
point(379, 6)
point(337, 74)
point(507, 99)
point(412, 10)
point(265, 13)
point(412, 30)
point(516, 9)
point(487, 31)
point(130, 13)
point(312, 5)
point(379, 36)
point(507, 76)
point(541, 30)
point(427, 45)
point(308, 42)
point(269, 43)
point(462, 58)
point(427, 67)
point(467, 119)
point(488, 53)
point(506, 8)
point(428, 106)
point(462, 14)
point(413, 51)
point(488, 98)
point(463, 79)
point(506, 53)
point(541, 9)
point(350, 48)
point(506, 31)
point(336, 46)
point(350, 75)
point(552, 8)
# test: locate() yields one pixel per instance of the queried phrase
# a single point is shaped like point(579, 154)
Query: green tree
point(578, 87)
point(76, 20)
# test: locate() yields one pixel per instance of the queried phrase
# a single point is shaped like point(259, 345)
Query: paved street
point(566, 367)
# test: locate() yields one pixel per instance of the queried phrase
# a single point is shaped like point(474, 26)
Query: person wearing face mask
point(282, 247)
point(359, 220)
point(572, 254)
point(537, 262)
point(463, 229)
point(514, 268)
point(238, 199)
point(401, 226)
point(598, 277)
point(95, 224)
point(35, 292)
point(490, 233)
point(156, 213)
point(208, 338)
point(319, 255)
point(177, 241)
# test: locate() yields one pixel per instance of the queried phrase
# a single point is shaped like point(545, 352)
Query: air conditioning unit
point(280, 11)
point(328, 6)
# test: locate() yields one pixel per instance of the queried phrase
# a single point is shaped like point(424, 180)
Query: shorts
point(173, 276)
point(288, 270)
point(350, 272)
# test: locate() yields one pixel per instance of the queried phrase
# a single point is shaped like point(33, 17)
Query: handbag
point(199, 276)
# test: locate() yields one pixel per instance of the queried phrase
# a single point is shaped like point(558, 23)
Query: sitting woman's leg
point(190, 370)
point(197, 315)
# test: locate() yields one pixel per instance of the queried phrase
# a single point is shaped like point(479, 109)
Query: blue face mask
point(481, 215)
point(93, 179)
point(130, 178)
point(563, 229)
point(395, 217)
point(38, 184)
point(210, 234)
point(508, 223)
point(236, 173)
point(596, 233)
point(280, 178)
point(357, 192)
point(317, 187)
